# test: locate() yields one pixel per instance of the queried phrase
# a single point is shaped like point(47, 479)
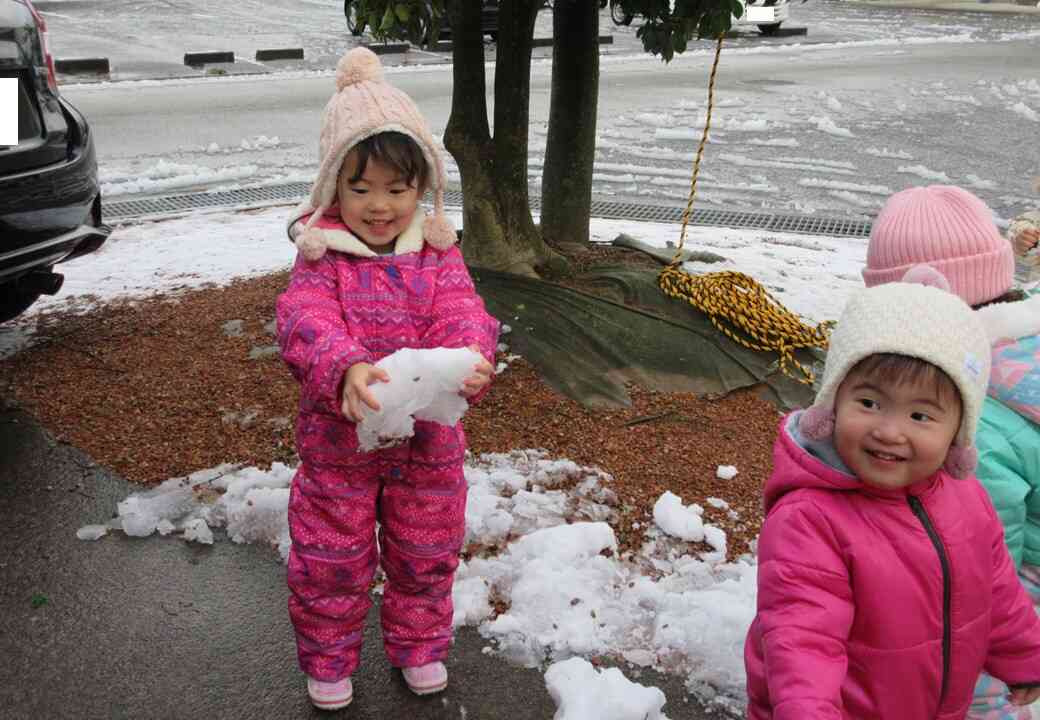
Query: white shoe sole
point(331, 704)
point(429, 690)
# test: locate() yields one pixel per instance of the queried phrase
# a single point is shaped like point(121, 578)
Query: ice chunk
point(424, 385)
point(92, 532)
point(141, 512)
point(581, 691)
point(726, 472)
point(678, 520)
point(198, 531)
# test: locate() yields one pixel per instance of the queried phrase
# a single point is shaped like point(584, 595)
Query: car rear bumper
point(51, 213)
point(79, 241)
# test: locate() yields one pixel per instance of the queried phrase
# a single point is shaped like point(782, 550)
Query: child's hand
point(355, 389)
point(1024, 696)
point(1026, 241)
point(481, 376)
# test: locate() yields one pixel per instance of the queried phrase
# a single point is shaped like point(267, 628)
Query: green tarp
point(588, 347)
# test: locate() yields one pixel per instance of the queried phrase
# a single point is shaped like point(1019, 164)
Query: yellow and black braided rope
point(738, 306)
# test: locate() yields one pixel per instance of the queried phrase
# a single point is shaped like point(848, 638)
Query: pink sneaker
point(330, 695)
point(426, 679)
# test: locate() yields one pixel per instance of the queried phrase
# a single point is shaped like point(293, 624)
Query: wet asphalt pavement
point(159, 628)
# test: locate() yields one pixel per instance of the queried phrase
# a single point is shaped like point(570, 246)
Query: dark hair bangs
point(397, 151)
point(899, 369)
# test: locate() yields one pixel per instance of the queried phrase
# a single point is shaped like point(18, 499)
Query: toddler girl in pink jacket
point(374, 275)
point(884, 584)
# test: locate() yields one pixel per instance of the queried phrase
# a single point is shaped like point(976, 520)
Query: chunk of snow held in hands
point(424, 385)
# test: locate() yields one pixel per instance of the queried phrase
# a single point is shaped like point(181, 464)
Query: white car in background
point(766, 14)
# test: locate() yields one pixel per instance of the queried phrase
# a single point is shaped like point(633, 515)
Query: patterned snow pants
point(990, 701)
point(420, 506)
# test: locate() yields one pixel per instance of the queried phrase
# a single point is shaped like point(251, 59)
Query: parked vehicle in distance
point(767, 15)
point(50, 201)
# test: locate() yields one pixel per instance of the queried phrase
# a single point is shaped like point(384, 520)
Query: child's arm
point(459, 317)
point(315, 342)
point(1014, 641)
point(1000, 470)
point(805, 612)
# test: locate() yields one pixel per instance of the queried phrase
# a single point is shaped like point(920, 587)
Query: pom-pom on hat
point(364, 105)
point(920, 321)
point(948, 228)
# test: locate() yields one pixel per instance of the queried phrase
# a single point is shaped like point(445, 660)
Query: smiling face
point(377, 202)
point(894, 429)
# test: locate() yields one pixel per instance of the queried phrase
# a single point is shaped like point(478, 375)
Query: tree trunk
point(499, 232)
point(571, 145)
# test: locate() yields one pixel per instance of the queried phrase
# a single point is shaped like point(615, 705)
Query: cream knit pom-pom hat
point(365, 105)
point(910, 319)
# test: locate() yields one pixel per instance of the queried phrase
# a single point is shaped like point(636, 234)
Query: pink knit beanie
point(364, 105)
point(948, 228)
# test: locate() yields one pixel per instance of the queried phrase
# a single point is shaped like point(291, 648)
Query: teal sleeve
point(1010, 478)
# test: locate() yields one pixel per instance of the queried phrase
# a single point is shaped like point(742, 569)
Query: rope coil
point(737, 305)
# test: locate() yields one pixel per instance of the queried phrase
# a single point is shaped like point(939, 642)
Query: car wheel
point(619, 16)
point(14, 301)
point(769, 29)
point(355, 25)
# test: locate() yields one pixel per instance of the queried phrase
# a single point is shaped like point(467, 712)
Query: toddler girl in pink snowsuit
point(374, 275)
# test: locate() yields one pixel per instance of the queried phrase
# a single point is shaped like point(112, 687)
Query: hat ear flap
point(816, 423)
point(961, 461)
point(438, 231)
point(311, 244)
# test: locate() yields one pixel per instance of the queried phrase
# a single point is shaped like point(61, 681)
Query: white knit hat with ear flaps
point(365, 105)
point(910, 319)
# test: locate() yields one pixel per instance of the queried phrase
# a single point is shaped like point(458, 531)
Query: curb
point(280, 54)
point(387, 48)
point(74, 66)
point(212, 56)
point(548, 41)
point(446, 45)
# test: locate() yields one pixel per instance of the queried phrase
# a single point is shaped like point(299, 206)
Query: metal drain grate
point(156, 207)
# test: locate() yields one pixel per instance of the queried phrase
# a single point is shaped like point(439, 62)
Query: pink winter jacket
point(880, 604)
point(355, 306)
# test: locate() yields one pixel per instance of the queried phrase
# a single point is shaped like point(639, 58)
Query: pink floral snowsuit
point(338, 311)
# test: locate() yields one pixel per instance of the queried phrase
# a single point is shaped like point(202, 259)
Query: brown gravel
point(158, 388)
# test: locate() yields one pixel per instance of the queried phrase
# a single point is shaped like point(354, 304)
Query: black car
point(50, 202)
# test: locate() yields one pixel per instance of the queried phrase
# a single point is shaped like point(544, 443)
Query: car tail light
point(41, 27)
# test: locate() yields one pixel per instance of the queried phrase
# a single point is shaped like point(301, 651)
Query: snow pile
point(1025, 111)
point(923, 172)
point(826, 125)
point(250, 503)
point(167, 175)
point(424, 385)
point(886, 153)
point(562, 591)
point(543, 558)
point(581, 692)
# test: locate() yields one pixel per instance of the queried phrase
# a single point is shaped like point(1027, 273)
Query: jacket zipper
point(922, 515)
